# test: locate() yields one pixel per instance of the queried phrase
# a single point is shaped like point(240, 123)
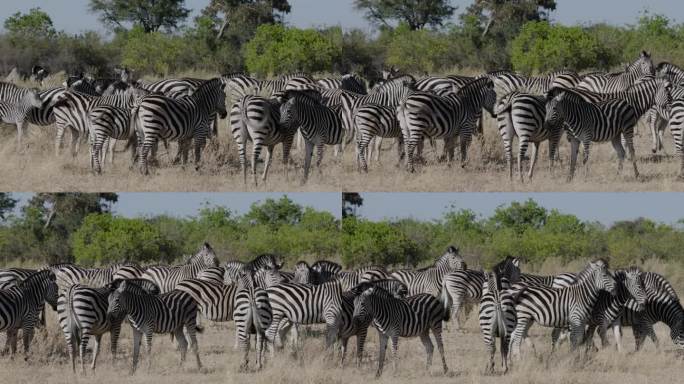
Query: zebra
point(423, 114)
point(16, 104)
point(364, 274)
point(359, 328)
point(586, 122)
point(128, 271)
point(253, 314)
point(169, 312)
point(559, 308)
point(318, 124)
point(257, 119)
point(506, 83)
point(416, 315)
point(168, 277)
point(675, 121)
point(159, 117)
point(523, 115)
point(69, 274)
point(10, 277)
point(371, 121)
point(264, 261)
point(609, 83)
point(216, 302)
point(304, 304)
point(21, 305)
point(325, 270)
point(214, 275)
point(303, 274)
point(665, 309)
point(429, 280)
point(348, 82)
point(82, 313)
point(497, 312)
point(608, 308)
point(232, 270)
point(106, 123)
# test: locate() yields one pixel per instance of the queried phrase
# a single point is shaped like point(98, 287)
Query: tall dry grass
point(466, 357)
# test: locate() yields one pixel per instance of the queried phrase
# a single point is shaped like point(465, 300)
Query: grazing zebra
point(20, 306)
point(371, 121)
point(666, 310)
point(169, 312)
point(185, 119)
point(82, 313)
point(253, 314)
point(585, 122)
point(16, 104)
point(359, 328)
point(522, 115)
point(304, 304)
point(257, 119)
point(429, 280)
point(610, 83)
point(423, 114)
point(364, 274)
point(167, 278)
point(561, 308)
point(497, 310)
point(318, 124)
point(609, 308)
point(414, 316)
point(348, 82)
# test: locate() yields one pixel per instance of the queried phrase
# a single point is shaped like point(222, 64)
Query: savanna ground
point(465, 352)
point(36, 168)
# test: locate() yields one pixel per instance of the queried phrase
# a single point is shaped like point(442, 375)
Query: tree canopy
point(417, 14)
point(152, 15)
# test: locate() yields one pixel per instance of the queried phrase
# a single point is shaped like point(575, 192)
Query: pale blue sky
point(603, 207)
point(72, 15)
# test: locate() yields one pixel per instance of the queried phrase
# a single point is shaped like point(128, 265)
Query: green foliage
point(519, 217)
point(152, 52)
point(415, 13)
point(418, 50)
point(277, 49)
point(543, 47)
point(275, 213)
point(36, 25)
point(151, 15)
point(104, 239)
point(366, 242)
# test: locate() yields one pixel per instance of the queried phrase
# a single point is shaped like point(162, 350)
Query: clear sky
point(73, 16)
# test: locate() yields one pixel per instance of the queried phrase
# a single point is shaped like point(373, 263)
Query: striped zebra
point(169, 312)
point(373, 121)
point(10, 277)
point(586, 122)
point(319, 125)
point(666, 310)
point(506, 83)
point(82, 313)
point(298, 304)
point(69, 274)
point(675, 121)
point(608, 309)
point(81, 84)
point(561, 308)
point(232, 270)
point(128, 271)
point(16, 104)
point(497, 309)
point(257, 119)
point(167, 278)
point(253, 314)
point(214, 275)
point(186, 119)
point(429, 280)
point(359, 328)
point(350, 279)
point(522, 115)
point(426, 115)
point(216, 302)
point(414, 316)
point(610, 83)
point(348, 82)
point(325, 270)
point(303, 274)
point(20, 307)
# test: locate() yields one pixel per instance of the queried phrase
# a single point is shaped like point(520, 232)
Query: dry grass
point(466, 357)
point(37, 169)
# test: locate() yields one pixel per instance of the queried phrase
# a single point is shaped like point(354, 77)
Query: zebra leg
point(376, 149)
point(85, 337)
point(75, 136)
point(12, 341)
point(521, 327)
point(269, 158)
point(148, 349)
point(96, 152)
point(437, 331)
point(343, 349)
point(72, 345)
point(319, 156)
point(382, 349)
point(27, 333)
point(617, 333)
point(287, 146)
point(574, 149)
point(394, 340)
point(260, 343)
point(182, 343)
point(523, 142)
point(137, 338)
point(96, 351)
point(429, 348)
point(620, 151)
point(308, 153)
point(256, 151)
point(192, 335)
point(576, 334)
point(632, 156)
point(465, 142)
point(361, 146)
point(360, 343)
point(114, 332)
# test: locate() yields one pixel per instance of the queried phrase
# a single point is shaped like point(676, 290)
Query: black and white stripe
point(166, 278)
point(414, 316)
point(348, 82)
point(610, 83)
point(16, 104)
point(186, 119)
point(253, 314)
point(148, 314)
point(429, 280)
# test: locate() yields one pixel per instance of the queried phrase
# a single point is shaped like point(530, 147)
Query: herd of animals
point(588, 108)
point(261, 298)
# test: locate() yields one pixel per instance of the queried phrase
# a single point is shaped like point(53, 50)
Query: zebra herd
point(593, 107)
point(265, 300)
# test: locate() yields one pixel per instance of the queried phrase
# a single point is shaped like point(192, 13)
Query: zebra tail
point(446, 300)
point(500, 318)
point(72, 325)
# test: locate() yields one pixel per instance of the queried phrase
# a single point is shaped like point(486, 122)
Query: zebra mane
point(37, 277)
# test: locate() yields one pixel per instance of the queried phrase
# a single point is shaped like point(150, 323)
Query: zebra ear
point(452, 249)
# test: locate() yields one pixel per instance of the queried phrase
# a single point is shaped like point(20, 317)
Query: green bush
point(277, 49)
point(153, 52)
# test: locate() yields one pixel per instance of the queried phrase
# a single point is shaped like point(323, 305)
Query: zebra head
point(265, 278)
point(597, 271)
point(634, 283)
point(212, 93)
point(302, 273)
point(363, 308)
point(205, 256)
point(663, 97)
point(508, 270)
point(42, 287)
point(644, 64)
point(451, 259)
point(554, 101)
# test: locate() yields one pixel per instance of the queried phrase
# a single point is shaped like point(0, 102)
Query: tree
point(36, 25)
point(152, 15)
point(520, 217)
point(275, 213)
point(7, 204)
point(416, 13)
point(241, 12)
point(351, 201)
